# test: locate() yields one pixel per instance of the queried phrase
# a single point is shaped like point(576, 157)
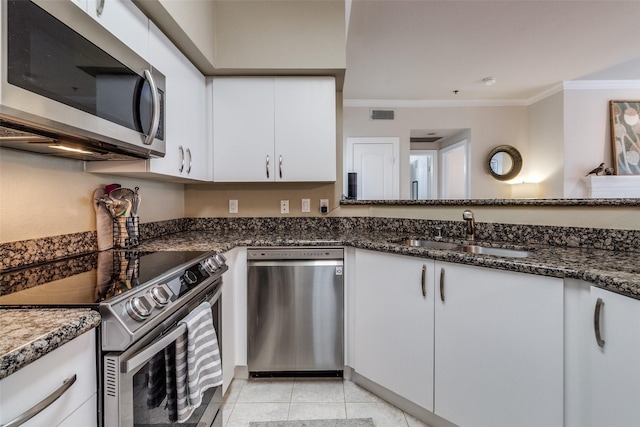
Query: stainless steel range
point(142, 298)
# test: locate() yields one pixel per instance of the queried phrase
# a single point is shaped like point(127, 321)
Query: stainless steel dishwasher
point(295, 311)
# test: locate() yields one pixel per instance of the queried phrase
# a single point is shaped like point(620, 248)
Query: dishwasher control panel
point(294, 253)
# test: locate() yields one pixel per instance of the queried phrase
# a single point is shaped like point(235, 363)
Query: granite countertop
point(611, 270)
point(28, 334)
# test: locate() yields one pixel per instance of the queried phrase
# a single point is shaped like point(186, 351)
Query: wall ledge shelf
point(608, 202)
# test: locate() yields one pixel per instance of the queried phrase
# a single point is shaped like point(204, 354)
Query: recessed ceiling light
point(489, 81)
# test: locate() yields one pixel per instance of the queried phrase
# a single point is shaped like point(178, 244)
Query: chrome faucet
point(471, 224)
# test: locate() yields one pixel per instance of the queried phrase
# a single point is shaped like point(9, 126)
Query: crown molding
point(448, 103)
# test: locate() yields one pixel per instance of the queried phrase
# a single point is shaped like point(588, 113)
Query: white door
point(454, 171)
point(374, 160)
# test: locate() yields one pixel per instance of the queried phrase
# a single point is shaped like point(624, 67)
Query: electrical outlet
point(233, 206)
point(324, 205)
point(306, 205)
point(284, 206)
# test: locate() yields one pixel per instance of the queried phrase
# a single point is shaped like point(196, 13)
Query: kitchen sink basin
point(472, 249)
point(430, 244)
point(501, 252)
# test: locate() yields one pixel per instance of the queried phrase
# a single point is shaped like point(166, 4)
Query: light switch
point(306, 205)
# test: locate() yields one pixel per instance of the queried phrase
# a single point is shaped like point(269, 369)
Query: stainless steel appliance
point(141, 297)
point(70, 88)
point(295, 311)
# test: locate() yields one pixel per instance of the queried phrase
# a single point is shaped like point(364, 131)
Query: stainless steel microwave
point(71, 88)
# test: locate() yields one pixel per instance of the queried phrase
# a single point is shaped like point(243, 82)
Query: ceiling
point(424, 50)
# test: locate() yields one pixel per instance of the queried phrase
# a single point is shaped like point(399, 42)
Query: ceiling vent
point(382, 114)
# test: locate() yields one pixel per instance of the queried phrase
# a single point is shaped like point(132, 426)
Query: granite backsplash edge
point(35, 251)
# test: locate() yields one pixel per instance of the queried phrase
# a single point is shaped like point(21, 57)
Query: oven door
point(134, 381)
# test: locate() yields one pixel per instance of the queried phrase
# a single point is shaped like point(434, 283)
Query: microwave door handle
point(144, 355)
point(155, 115)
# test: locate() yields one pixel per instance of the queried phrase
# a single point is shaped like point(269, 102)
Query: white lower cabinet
point(476, 346)
point(32, 384)
point(393, 335)
point(614, 369)
point(498, 347)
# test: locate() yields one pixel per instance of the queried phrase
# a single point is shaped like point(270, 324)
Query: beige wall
point(546, 146)
point(490, 126)
point(587, 137)
point(42, 196)
point(273, 34)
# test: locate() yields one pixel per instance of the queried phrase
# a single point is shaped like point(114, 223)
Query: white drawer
point(30, 385)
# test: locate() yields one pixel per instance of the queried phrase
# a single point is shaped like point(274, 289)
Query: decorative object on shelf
point(504, 162)
point(625, 136)
point(597, 171)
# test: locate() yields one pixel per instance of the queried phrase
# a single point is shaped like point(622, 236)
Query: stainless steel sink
point(430, 244)
point(472, 249)
point(501, 252)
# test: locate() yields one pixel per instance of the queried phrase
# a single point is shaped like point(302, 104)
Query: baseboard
point(400, 402)
point(241, 372)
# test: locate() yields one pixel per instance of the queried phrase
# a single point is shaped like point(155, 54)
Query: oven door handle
point(144, 355)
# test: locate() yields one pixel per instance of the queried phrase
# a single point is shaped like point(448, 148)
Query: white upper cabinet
point(243, 129)
point(498, 347)
point(124, 20)
point(187, 150)
point(305, 129)
point(274, 129)
point(614, 368)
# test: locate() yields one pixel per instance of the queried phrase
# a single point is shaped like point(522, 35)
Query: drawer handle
point(442, 284)
point(44, 404)
point(596, 322)
point(424, 280)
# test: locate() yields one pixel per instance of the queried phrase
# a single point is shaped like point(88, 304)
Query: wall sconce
point(524, 190)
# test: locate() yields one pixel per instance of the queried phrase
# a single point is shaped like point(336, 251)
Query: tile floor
point(307, 399)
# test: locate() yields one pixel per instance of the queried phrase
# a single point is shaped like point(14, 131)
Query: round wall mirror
point(504, 162)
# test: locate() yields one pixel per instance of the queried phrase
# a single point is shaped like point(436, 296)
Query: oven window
point(154, 396)
point(48, 58)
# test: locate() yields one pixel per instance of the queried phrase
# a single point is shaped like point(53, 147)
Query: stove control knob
point(210, 265)
point(160, 295)
point(221, 260)
point(139, 308)
point(190, 278)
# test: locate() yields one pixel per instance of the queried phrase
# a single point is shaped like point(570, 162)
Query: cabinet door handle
point(99, 7)
point(596, 322)
point(424, 280)
point(267, 166)
point(442, 284)
point(181, 168)
point(190, 158)
point(280, 167)
point(43, 404)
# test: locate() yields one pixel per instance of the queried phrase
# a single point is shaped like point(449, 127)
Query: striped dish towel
point(198, 366)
